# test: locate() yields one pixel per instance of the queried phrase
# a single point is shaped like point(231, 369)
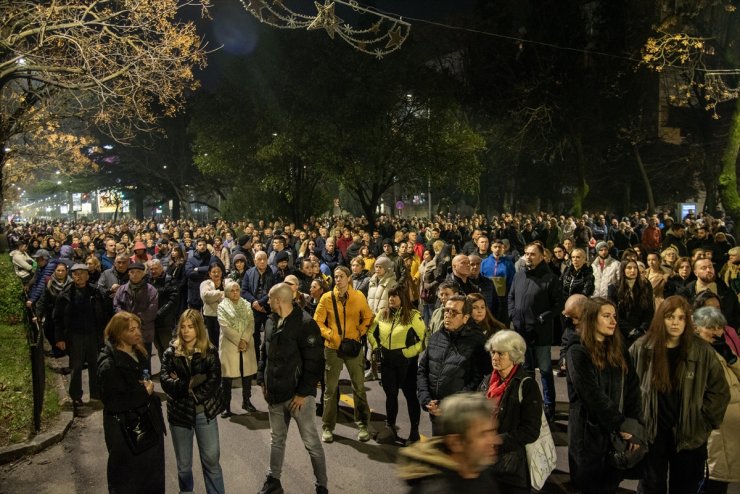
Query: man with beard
point(196, 271)
point(605, 269)
point(706, 279)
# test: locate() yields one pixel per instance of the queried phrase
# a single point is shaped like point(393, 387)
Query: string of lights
point(384, 36)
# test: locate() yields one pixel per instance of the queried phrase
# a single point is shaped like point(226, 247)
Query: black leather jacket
point(181, 401)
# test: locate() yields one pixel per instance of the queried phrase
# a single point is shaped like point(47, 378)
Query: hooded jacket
point(428, 468)
point(377, 292)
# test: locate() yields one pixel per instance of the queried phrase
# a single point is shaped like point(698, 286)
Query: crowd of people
point(455, 313)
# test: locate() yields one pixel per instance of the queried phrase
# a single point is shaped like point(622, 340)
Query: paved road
point(77, 464)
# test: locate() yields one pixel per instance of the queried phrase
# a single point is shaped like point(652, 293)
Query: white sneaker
point(363, 435)
point(327, 436)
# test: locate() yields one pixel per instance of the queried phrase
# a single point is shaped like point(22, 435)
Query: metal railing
point(35, 337)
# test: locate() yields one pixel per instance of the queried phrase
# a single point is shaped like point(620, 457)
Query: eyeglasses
point(452, 312)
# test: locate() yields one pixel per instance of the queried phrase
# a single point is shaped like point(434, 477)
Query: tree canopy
point(114, 64)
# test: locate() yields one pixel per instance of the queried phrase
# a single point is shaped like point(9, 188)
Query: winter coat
point(604, 277)
point(360, 282)
point(22, 264)
point(45, 305)
point(727, 301)
point(292, 357)
point(392, 335)
point(251, 281)
point(723, 448)
point(181, 401)
point(503, 268)
point(634, 317)
point(119, 378)
point(331, 260)
point(237, 323)
point(467, 287)
point(354, 315)
point(111, 277)
point(533, 301)
point(594, 397)
point(677, 285)
point(144, 305)
point(519, 424)
point(123, 396)
point(196, 272)
point(377, 292)
point(43, 275)
point(704, 393)
point(211, 297)
point(573, 282)
point(454, 361)
point(67, 315)
point(168, 301)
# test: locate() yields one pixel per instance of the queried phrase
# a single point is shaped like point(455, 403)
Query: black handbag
point(139, 429)
point(619, 455)
point(347, 348)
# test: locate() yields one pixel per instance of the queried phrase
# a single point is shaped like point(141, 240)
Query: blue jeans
point(426, 314)
point(280, 416)
point(206, 434)
point(539, 357)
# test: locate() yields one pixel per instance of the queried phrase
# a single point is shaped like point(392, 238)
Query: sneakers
point(271, 486)
point(226, 414)
point(371, 376)
point(328, 436)
point(363, 435)
point(387, 435)
point(247, 405)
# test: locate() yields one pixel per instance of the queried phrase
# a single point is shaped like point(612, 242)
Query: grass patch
point(16, 394)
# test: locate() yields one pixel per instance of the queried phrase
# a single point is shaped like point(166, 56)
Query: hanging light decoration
point(384, 36)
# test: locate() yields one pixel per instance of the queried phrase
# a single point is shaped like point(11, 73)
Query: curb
point(53, 435)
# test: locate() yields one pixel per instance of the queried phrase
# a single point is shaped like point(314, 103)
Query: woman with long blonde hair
point(191, 377)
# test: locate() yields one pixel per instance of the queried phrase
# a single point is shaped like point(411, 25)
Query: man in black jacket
point(454, 360)
point(533, 299)
point(168, 297)
point(80, 315)
point(291, 365)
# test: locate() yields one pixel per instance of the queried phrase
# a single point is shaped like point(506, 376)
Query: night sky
point(237, 32)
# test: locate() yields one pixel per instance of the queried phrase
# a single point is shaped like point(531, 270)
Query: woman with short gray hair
point(518, 414)
point(723, 452)
point(236, 345)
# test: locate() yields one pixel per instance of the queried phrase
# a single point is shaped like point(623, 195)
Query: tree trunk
point(627, 200)
point(139, 203)
point(728, 177)
point(582, 186)
point(645, 179)
point(176, 207)
point(2, 176)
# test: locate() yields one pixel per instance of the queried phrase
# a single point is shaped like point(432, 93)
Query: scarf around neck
point(497, 387)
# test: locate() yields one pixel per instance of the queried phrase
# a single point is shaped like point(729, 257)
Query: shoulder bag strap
point(621, 392)
point(336, 314)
